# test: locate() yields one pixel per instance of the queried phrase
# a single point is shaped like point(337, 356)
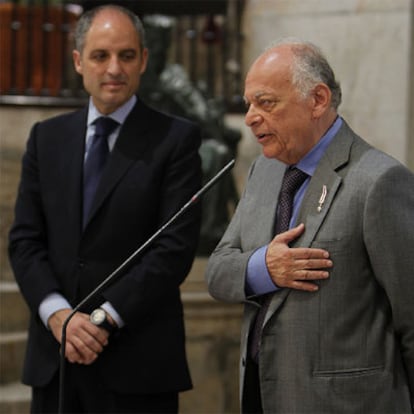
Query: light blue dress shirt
point(55, 301)
point(258, 280)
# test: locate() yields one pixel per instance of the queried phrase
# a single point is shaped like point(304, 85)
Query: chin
point(270, 153)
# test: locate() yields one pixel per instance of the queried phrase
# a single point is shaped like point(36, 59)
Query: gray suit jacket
point(350, 346)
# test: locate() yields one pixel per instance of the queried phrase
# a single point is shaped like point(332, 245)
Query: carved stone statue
point(168, 88)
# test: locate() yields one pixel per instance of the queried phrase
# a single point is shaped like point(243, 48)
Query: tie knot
point(104, 126)
point(293, 179)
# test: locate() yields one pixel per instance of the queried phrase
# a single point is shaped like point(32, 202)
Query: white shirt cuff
point(51, 304)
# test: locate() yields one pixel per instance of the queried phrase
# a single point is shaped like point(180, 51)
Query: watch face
point(98, 316)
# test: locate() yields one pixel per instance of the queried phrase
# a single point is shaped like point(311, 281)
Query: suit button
point(81, 264)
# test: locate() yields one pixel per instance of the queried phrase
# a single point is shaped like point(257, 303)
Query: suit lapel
point(336, 156)
point(323, 186)
point(130, 146)
point(316, 203)
point(272, 176)
point(72, 137)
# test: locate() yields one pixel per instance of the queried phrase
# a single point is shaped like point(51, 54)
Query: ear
point(77, 61)
point(144, 60)
point(321, 95)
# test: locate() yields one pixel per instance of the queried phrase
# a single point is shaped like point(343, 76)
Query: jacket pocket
point(353, 381)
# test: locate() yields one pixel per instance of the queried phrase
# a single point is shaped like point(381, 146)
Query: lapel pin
point(322, 197)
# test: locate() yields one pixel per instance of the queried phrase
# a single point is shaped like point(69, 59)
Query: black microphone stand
point(117, 272)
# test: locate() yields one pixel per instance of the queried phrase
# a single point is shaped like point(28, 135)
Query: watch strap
point(107, 325)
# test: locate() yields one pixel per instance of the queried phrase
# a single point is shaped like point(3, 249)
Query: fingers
point(84, 341)
point(305, 286)
point(300, 279)
point(77, 352)
point(296, 268)
point(309, 253)
point(290, 235)
point(74, 356)
point(299, 263)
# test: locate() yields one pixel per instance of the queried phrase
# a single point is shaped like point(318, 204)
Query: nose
point(252, 117)
point(114, 66)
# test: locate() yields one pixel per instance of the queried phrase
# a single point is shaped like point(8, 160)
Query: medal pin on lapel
point(322, 198)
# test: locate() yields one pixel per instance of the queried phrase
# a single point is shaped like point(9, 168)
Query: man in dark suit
point(335, 289)
point(126, 351)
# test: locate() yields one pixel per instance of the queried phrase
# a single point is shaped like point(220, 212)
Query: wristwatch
point(98, 317)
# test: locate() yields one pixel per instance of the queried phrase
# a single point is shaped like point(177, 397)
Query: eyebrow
point(260, 94)
point(257, 95)
point(129, 49)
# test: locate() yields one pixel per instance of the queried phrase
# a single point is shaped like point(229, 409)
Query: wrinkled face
point(279, 117)
point(112, 61)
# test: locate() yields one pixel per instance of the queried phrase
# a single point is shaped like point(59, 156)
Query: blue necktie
point(292, 180)
point(95, 161)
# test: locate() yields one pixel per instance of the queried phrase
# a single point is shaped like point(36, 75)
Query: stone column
point(410, 121)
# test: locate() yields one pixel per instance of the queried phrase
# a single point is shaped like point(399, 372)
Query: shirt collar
point(310, 161)
point(119, 115)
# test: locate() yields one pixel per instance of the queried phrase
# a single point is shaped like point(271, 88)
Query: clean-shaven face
point(279, 117)
point(111, 62)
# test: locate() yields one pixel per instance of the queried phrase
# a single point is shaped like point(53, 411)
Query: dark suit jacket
point(153, 170)
point(348, 348)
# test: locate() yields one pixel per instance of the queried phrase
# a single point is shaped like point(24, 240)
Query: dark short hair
point(85, 21)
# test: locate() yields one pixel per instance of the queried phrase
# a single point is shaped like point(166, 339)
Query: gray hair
point(85, 22)
point(309, 68)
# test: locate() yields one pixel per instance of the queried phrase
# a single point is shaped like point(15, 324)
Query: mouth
point(262, 137)
point(113, 85)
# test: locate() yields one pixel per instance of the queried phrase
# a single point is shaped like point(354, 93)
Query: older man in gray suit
point(336, 289)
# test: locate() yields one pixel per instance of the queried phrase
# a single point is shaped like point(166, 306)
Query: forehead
point(111, 28)
point(270, 74)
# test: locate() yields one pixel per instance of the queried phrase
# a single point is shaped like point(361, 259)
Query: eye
point(99, 55)
point(266, 104)
point(128, 55)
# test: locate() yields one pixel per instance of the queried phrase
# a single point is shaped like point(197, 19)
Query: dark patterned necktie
point(95, 161)
point(292, 180)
